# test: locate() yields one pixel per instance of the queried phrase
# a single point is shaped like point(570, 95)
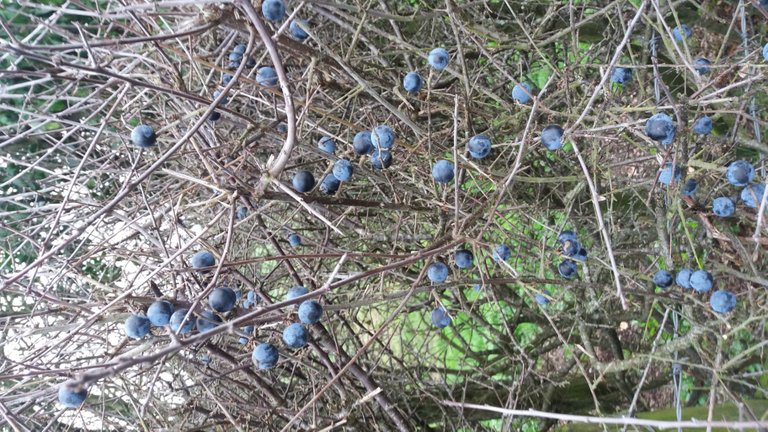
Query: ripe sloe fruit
point(665, 177)
point(159, 313)
point(682, 31)
point(327, 145)
point(329, 185)
point(552, 137)
point(438, 58)
point(701, 281)
point(310, 312)
point(303, 181)
point(442, 171)
point(296, 31)
point(723, 207)
point(542, 298)
point(202, 259)
point(702, 125)
point(222, 299)
point(381, 159)
point(522, 93)
point(266, 76)
point(752, 195)
point(72, 394)
point(248, 330)
point(567, 269)
point(659, 127)
point(690, 187)
point(663, 279)
point(296, 291)
point(683, 278)
point(273, 10)
point(740, 173)
point(463, 258)
point(362, 143)
point(722, 301)
point(437, 272)
point(621, 75)
point(383, 137)
point(295, 336)
point(479, 146)
point(440, 318)
point(702, 65)
point(265, 356)
point(412, 82)
point(342, 170)
point(143, 136)
point(207, 321)
point(501, 252)
point(137, 326)
point(175, 322)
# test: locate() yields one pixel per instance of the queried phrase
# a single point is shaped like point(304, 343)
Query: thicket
point(94, 229)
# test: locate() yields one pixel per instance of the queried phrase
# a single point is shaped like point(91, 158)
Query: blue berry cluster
point(295, 335)
point(162, 313)
point(571, 248)
point(701, 281)
point(741, 174)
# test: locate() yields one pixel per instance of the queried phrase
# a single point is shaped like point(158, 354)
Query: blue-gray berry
point(177, 318)
point(273, 10)
point(266, 76)
point(295, 336)
point(722, 301)
point(137, 326)
point(660, 127)
point(479, 146)
point(702, 125)
point(143, 136)
point(463, 258)
point(303, 181)
point(342, 170)
point(329, 185)
point(381, 159)
point(296, 31)
point(327, 145)
point(522, 93)
point(412, 82)
point(438, 58)
point(72, 394)
point(440, 317)
point(265, 356)
point(159, 313)
point(222, 299)
point(752, 195)
point(202, 259)
point(383, 137)
point(723, 207)
point(740, 173)
point(552, 137)
point(310, 312)
point(362, 143)
point(437, 272)
point(442, 171)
